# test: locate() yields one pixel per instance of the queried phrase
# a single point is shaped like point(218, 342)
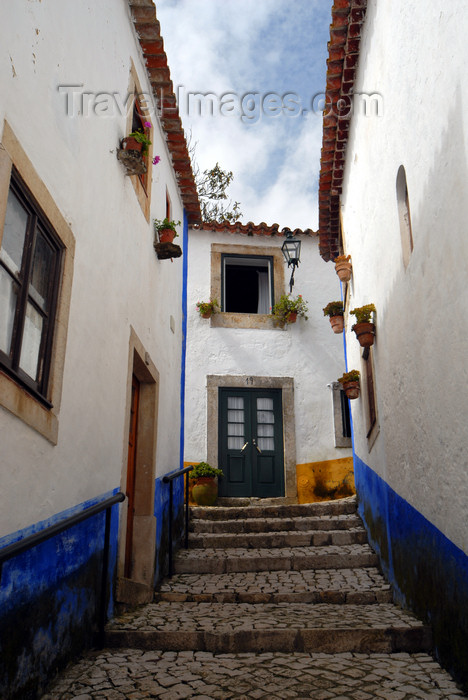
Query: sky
point(263, 64)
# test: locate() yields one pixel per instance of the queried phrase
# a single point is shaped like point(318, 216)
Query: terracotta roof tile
point(149, 33)
point(251, 229)
point(343, 54)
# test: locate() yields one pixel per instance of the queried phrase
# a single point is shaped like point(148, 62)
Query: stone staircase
point(274, 578)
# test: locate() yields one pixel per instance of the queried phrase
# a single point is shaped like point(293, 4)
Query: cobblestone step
point(221, 561)
point(278, 539)
point(344, 506)
point(340, 586)
point(134, 673)
point(285, 627)
point(299, 524)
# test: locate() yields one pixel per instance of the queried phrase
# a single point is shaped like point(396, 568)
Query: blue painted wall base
point(428, 572)
point(49, 600)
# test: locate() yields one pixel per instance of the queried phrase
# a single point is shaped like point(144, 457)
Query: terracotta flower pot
point(343, 270)
point(205, 490)
point(131, 144)
point(365, 333)
point(351, 389)
point(291, 317)
point(166, 235)
point(207, 314)
point(337, 323)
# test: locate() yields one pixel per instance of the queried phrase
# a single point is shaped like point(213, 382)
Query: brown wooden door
point(132, 446)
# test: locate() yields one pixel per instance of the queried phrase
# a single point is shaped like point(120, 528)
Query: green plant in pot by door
point(364, 327)
point(335, 312)
point(204, 483)
point(350, 382)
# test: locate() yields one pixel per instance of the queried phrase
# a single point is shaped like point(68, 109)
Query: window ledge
point(237, 320)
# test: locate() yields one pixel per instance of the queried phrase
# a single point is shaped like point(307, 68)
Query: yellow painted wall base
point(325, 481)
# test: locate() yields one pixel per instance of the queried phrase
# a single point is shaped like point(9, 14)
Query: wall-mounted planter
point(291, 317)
point(365, 333)
point(130, 155)
point(352, 389)
point(343, 268)
point(167, 250)
point(337, 323)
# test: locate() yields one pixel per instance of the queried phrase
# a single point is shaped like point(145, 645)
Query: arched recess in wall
point(404, 215)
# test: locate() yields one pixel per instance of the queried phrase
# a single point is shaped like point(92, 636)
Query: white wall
point(118, 281)
point(411, 54)
point(308, 351)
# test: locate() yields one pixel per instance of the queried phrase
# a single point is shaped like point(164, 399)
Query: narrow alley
point(269, 602)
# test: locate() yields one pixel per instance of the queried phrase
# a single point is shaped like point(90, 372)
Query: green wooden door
point(251, 443)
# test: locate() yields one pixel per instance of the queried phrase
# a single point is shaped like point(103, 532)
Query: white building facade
point(259, 396)
point(401, 193)
point(91, 324)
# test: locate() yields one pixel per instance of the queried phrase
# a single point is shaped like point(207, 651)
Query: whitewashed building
point(394, 196)
point(262, 401)
point(91, 323)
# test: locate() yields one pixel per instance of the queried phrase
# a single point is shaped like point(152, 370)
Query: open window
point(247, 284)
point(341, 416)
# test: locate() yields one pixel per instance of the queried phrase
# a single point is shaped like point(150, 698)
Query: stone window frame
point(286, 384)
point(404, 216)
point(14, 397)
point(226, 319)
point(369, 395)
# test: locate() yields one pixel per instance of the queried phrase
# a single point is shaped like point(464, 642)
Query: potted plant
point(133, 149)
point(350, 382)
point(137, 140)
point(343, 267)
point(286, 310)
point(364, 327)
point(166, 230)
point(334, 310)
point(204, 483)
point(207, 308)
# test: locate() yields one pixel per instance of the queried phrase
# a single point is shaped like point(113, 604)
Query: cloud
point(232, 47)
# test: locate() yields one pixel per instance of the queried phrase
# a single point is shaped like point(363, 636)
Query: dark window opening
point(247, 285)
point(370, 389)
point(345, 417)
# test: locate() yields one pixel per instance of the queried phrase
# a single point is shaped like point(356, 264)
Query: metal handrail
point(12, 550)
point(168, 479)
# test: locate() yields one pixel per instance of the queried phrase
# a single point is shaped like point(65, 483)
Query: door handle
point(243, 448)
point(258, 449)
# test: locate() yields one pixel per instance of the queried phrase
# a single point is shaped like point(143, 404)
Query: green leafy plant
point(363, 313)
point(140, 136)
point(287, 305)
point(204, 307)
point(204, 469)
point(161, 224)
point(334, 308)
point(352, 376)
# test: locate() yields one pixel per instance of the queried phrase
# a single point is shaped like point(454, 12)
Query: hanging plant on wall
point(288, 309)
point(364, 327)
point(207, 308)
point(351, 384)
point(133, 149)
point(334, 310)
point(164, 234)
point(343, 267)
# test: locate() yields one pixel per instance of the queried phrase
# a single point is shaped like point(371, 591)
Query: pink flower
point(156, 160)
point(148, 125)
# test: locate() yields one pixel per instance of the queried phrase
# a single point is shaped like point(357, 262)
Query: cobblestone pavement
point(129, 674)
point(225, 617)
point(352, 585)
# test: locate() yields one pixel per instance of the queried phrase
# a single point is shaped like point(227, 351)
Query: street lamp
point(292, 254)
